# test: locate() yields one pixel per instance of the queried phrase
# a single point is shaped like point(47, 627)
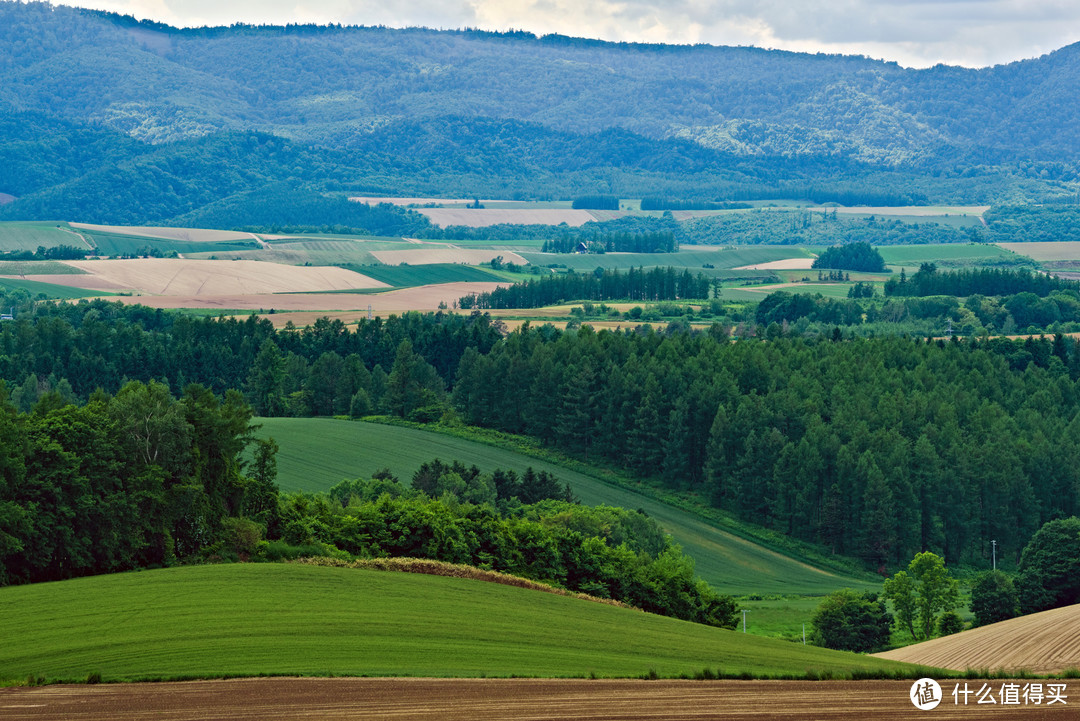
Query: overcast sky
point(915, 33)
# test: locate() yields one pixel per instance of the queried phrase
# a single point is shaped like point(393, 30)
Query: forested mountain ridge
point(103, 103)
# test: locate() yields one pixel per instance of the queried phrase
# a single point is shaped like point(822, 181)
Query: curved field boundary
point(274, 699)
point(1047, 642)
point(289, 619)
point(317, 453)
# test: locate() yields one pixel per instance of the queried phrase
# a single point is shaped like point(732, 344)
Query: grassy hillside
point(31, 235)
point(955, 255)
point(316, 453)
point(304, 620)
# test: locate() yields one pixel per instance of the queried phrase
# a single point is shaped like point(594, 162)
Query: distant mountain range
point(123, 121)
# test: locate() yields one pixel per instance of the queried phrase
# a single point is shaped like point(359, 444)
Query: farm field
point(483, 217)
point(1042, 252)
point(427, 254)
point(189, 235)
point(368, 699)
point(317, 453)
point(785, 264)
point(31, 234)
point(180, 277)
point(37, 267)
point(295, 619)
point(1046, 642)
point(52, 291)
point(692, 257)
point(968, 254)
point(346, 304)
point(757, 292)
point(405, 276)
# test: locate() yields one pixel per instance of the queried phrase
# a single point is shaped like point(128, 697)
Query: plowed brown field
point(1047, 642)
point(486, 700)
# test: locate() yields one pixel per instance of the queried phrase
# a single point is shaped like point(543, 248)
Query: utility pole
point(744, 620)
point(994, 545)
point(804, 634)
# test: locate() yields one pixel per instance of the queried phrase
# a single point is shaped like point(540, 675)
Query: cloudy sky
point(915, 33)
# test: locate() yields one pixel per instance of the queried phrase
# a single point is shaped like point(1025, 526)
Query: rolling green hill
point(317, 453)
point(248, 620)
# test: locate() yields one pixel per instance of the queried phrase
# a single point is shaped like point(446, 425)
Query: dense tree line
point(81, 347)
point(635, 284)
point(603, 551)
point(57, 252)
point(653, 202)
point(595, 202)
point(655, 242)
point(877, 448)
point(853, 256)
point(126, 481)
point(976, 281)
point(141, 479)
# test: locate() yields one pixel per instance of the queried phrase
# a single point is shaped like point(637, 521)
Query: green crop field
point(49, 290)
point(689, 256)
point(406, 276)
point(973, 254)
point(256, 619)
point(317, 453)
point(34, 234)
point(121, 244)
point(38, 267)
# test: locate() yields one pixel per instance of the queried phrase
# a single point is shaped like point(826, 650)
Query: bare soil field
point(427, 255)
point(195, 278)
point(352, 305)
point(1064, 250)
point(483, 217)
point(269, 699)
point(1047, 642)
point(191, 234)
point(6, 198)
point(786, 264)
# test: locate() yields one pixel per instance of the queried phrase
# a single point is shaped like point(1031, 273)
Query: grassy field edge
point(527, 446)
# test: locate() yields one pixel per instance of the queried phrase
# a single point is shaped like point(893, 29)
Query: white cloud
point(912, 32)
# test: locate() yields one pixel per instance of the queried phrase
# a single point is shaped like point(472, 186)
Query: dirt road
point(487, 700)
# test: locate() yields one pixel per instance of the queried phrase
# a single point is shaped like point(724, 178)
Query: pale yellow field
point(191, 234)
point(352, 305)
point(195, 278)
point(785, 264)
point(427, 255)
point(1064, 250)
point(1047, 642)
point(483, 217)
point(412, 201)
